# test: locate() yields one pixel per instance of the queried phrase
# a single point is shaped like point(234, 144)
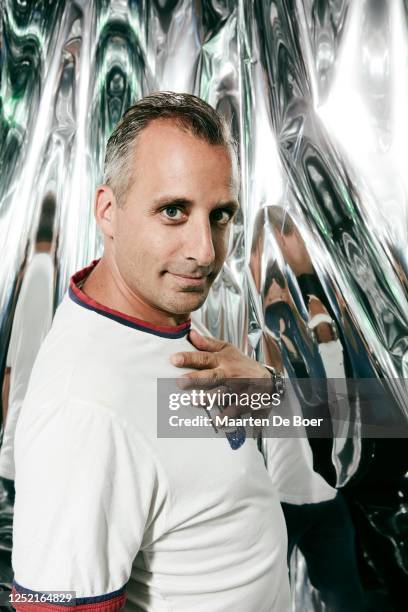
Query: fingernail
point(177, 360)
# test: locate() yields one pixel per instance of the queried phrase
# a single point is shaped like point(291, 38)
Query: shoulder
point(75, 433)
point(84, 356)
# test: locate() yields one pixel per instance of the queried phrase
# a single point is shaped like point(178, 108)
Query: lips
point(190, 280)
point(188, 276)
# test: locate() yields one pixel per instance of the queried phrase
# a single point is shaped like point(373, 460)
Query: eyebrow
point(172, 201)
point(179, 201)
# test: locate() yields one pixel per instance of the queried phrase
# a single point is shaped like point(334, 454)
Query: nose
point(198, 242)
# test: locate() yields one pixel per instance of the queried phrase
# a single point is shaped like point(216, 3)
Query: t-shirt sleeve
point(289, 461)
point(85, 495)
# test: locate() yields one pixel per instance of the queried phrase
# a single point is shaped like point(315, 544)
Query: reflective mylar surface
point(316, 92)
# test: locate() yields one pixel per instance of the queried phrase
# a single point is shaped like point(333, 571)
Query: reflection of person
point(320, 526)
point(374, 468)
point(32, 320)
point(328, 318)
point(283, 318)
point(102, 504)
point(296, 255)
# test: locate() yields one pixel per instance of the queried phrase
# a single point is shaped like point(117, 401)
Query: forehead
point(166, 150)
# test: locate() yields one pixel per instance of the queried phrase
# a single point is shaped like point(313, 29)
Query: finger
point(194, 359)
point(204, 379)
point(205, 343)
point(213, 398)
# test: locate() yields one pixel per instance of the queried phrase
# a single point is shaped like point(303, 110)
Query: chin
point(191, 302)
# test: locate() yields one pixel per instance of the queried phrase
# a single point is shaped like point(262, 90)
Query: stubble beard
point(179, 306)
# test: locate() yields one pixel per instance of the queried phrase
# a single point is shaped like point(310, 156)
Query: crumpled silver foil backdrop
point(316, 92)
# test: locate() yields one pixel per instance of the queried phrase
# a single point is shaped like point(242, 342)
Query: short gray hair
point(187, 111)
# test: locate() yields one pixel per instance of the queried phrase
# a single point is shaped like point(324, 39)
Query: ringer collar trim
point(80, 298)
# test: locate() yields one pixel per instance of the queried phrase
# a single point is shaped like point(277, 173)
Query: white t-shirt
point(32, 320)
point(103, 505)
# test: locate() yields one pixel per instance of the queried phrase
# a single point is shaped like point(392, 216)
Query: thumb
point(205, 343)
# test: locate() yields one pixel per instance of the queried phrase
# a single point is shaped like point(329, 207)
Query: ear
point(105, 210)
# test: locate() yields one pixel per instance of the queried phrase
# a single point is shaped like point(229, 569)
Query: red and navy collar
point(79, 297)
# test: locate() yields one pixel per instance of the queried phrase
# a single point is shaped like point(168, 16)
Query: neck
point(106, 286)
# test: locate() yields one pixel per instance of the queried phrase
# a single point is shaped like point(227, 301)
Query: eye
point(221, 216)
point(173, 212)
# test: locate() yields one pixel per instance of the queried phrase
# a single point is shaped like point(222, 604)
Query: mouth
point(190, 281)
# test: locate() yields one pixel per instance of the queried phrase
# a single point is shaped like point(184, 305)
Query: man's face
point(170, 236)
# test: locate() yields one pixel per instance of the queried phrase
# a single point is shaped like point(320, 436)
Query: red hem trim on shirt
point(82, 274)
point(108, 605)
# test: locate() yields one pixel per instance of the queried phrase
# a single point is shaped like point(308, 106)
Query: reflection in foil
point(316, 94)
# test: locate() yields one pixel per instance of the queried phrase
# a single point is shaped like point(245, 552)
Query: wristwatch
point(278, 380)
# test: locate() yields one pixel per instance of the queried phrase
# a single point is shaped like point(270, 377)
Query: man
point(102, 504)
